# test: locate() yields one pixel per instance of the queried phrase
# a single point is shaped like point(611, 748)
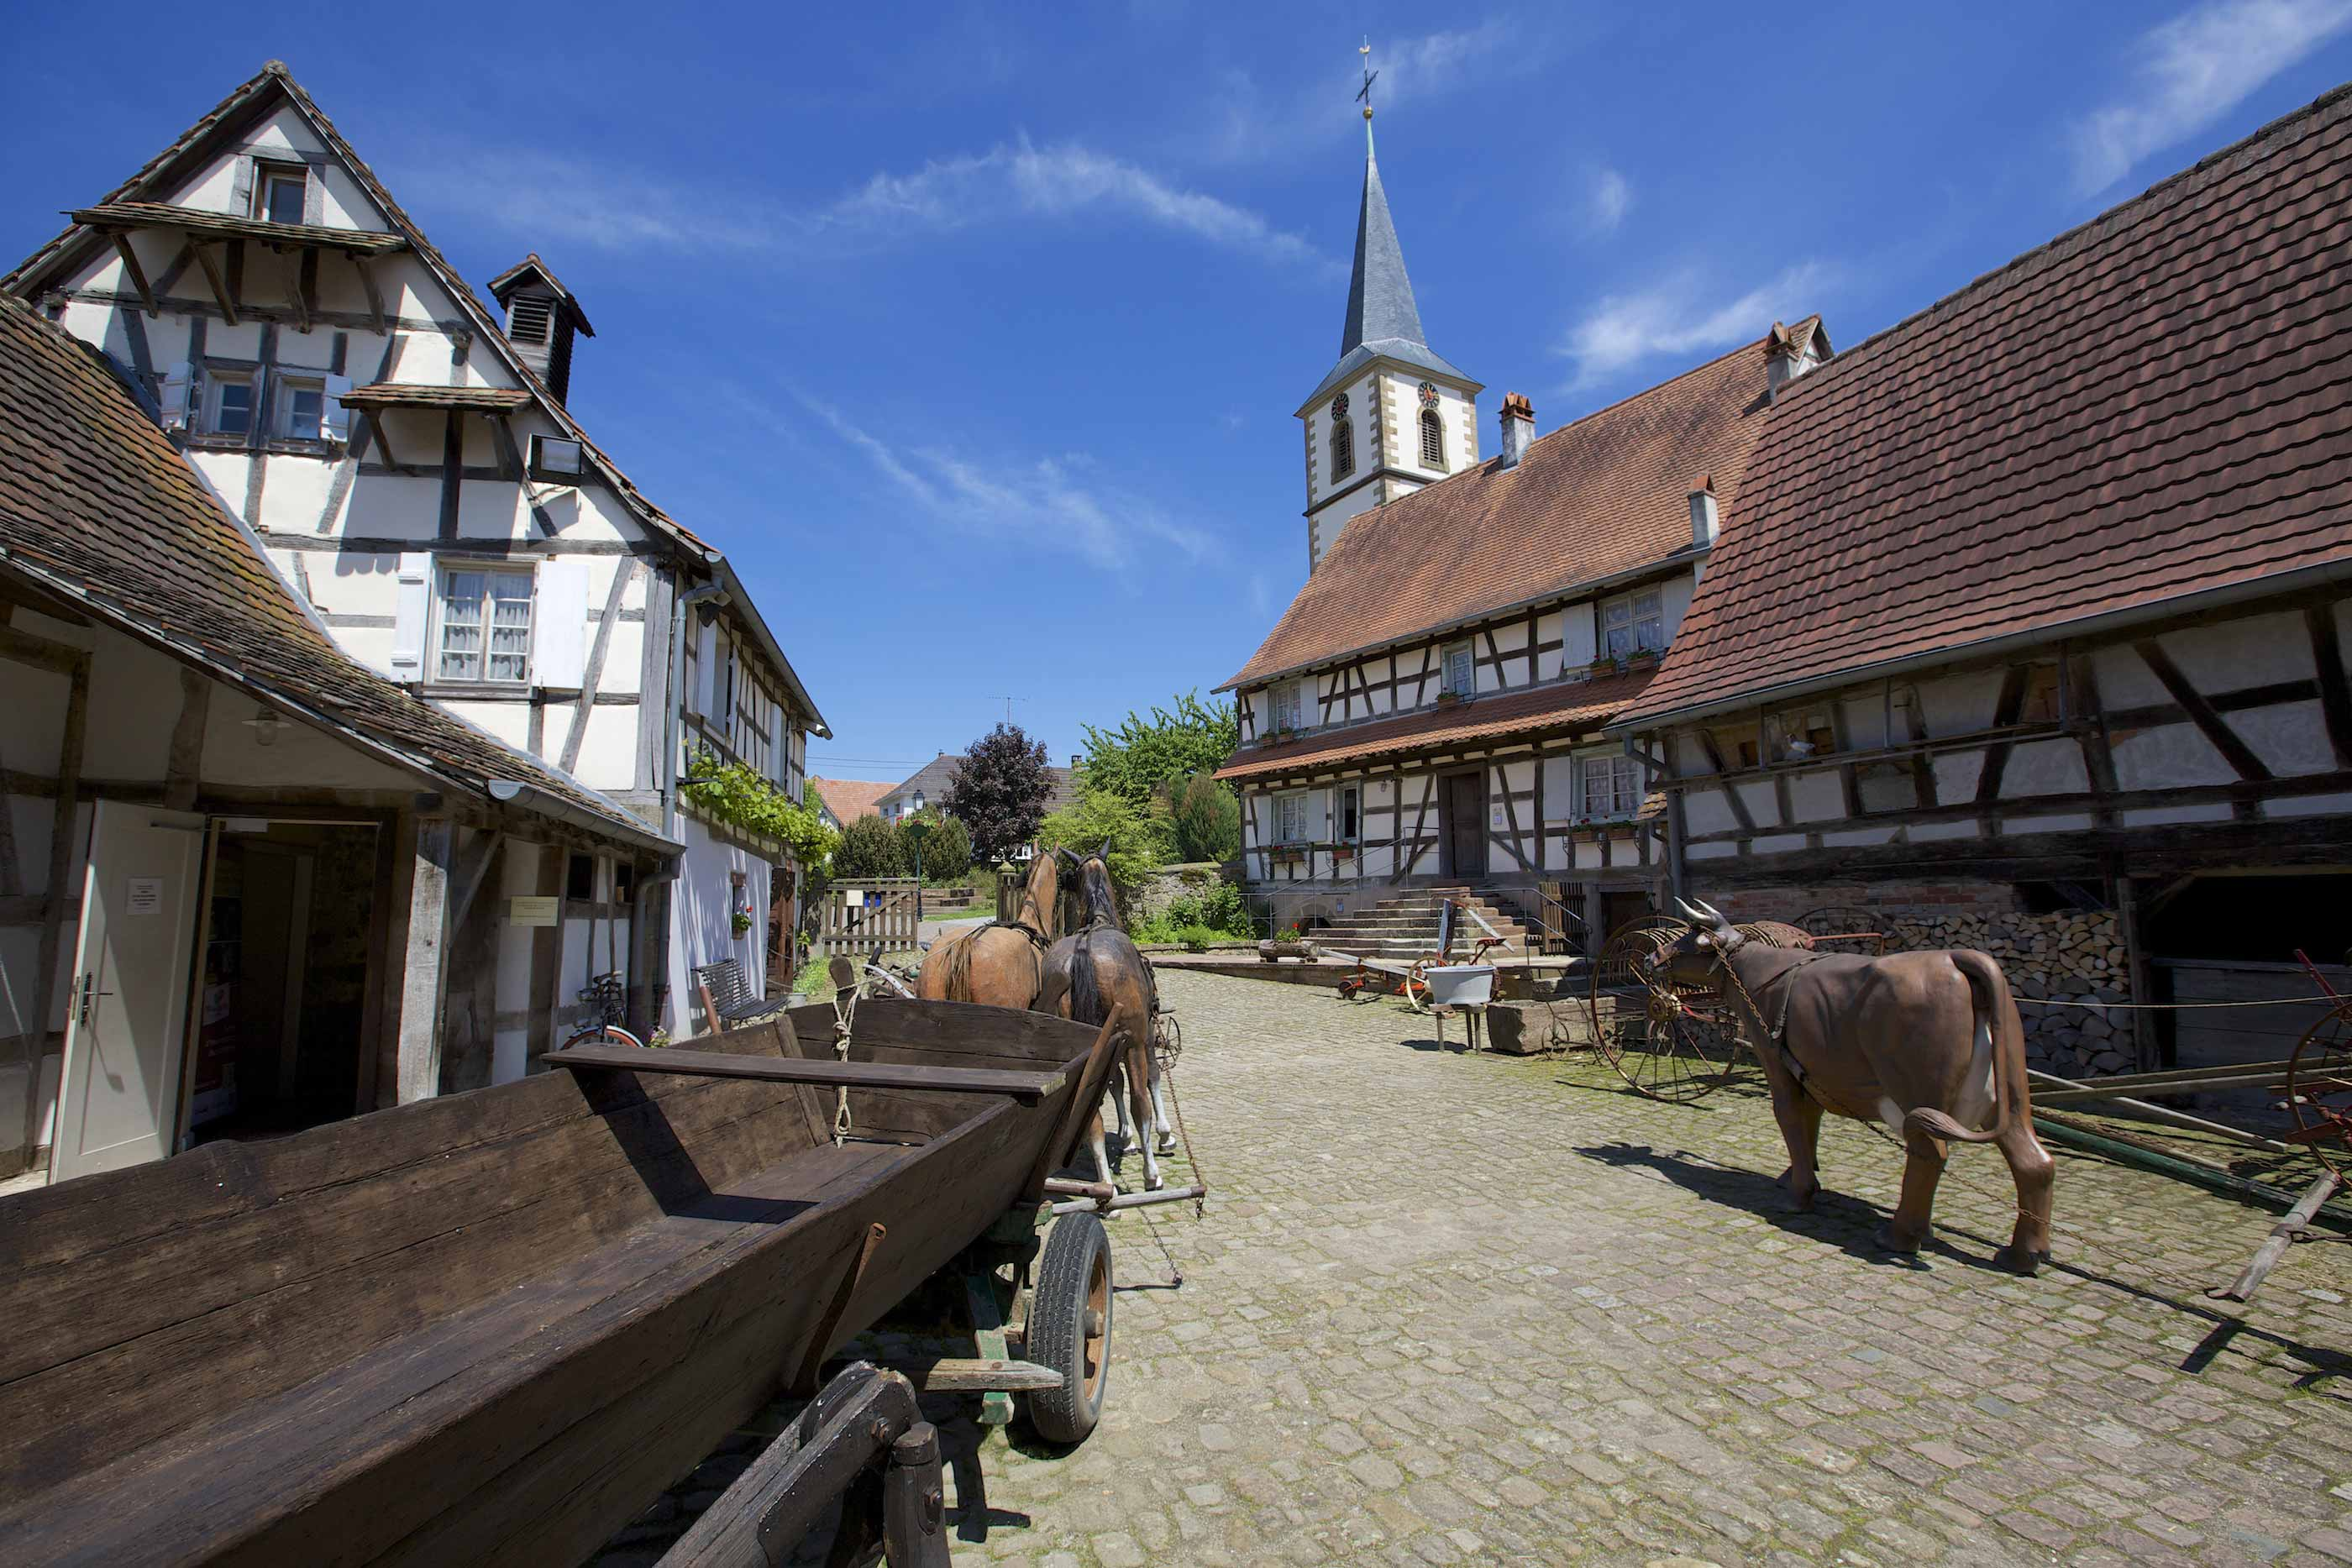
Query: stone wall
point(1170, 883)
point(2073, 958)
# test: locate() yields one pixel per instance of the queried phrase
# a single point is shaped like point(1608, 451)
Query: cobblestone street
point(1452, 1309)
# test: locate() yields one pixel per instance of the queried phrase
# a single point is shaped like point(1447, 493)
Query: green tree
point(1144, 754)
point(869, 847)
point(998, 793)
point(1138, 846)
point(1207, 818)
point(947, 848)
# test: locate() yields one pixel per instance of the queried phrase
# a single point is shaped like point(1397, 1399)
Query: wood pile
point(2074, 956)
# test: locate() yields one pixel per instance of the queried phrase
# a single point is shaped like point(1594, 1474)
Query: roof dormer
point(542, 318)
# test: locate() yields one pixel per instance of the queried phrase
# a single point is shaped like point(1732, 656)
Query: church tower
point(1391, 416)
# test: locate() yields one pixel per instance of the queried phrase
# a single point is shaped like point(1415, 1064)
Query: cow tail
point(1990, 988)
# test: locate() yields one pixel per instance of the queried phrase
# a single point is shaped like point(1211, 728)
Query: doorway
point(281, 1012)
point(1462, 808)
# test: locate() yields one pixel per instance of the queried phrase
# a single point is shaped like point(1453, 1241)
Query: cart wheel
point(1069, 1328)
point(1416, 989)
point(2320, 1089)
point(1667, 1042)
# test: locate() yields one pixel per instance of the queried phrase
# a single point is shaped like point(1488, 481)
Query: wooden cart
point(492, 1327)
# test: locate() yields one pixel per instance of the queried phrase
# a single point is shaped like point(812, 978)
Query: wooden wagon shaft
point(860, 1415)
point(2266, 1257)
point(1027, 1088)
point(2071, 1089)
point(1132, 1200)
point(974, 1374)
point(2105, 1091)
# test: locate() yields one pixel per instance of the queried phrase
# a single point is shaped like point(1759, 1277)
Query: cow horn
point(1695, 916)
point(1104, 853)
point(1714, 917)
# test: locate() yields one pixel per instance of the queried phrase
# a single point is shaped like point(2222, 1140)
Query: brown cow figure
point(1929, 1043)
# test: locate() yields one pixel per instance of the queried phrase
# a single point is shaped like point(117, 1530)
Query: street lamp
point(917, 829)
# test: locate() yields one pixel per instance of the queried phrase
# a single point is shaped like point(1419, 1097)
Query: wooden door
point(1465, 808)
point(118, 1102)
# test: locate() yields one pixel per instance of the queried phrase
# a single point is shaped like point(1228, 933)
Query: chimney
point(1705, 522)
point(1518, 427)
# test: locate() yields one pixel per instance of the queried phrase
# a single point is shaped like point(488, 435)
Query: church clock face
point(1339, 406)
point(1428, 395)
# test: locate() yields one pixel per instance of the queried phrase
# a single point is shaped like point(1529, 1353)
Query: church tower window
point(1343, 439)
point(1433, 440)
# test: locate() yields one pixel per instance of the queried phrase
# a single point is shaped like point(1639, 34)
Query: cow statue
point(1928, 1043)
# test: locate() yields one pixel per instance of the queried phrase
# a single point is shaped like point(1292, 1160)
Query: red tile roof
point(1606, 494)
point(1574, 706)
point(2155, 404)
point(850, 798)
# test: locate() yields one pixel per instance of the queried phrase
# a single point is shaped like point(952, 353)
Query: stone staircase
point(1404, 927)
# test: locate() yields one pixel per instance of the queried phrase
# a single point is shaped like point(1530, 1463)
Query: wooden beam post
point(183, 769)
point(374, 293)
point(137, 274)
point(219, 284)
point(55, 895)
point(424, 978)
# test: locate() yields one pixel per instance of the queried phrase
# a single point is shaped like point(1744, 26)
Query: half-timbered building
point(1429, 708)
point(408, 461)
point(2033, 609)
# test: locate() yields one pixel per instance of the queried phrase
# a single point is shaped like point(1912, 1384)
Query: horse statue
point(1003, 963)
point(1093, 973)
point(1928, 1043)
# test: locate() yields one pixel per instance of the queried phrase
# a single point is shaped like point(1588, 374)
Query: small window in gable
point(1433, 440)
point(231, 404)
point(1290, 705)
point(1461, 671)
point(279, 192)
point(556, 459)
point(530, 319)
point(302, 410)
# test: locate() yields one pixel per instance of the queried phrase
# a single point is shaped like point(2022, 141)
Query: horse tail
point(958, 979)
point(1085, 991)
point(1997, 1011)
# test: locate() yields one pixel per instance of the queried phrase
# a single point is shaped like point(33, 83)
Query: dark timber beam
point(137, 274)
point(2335, 696)
point(219, 284)
point(374, 293)
point(2209, 724)
point(453, 471)
point(306, 289)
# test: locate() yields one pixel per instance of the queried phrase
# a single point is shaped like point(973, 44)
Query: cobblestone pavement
point(1450, 1309)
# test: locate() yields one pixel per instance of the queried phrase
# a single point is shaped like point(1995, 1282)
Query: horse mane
point(1041, 905)
point(1102, 904)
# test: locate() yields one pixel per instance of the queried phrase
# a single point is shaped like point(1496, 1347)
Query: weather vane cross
point(1364, 94)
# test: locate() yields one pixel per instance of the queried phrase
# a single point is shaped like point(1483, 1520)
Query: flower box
point(1647, 659)
point(1450, 699)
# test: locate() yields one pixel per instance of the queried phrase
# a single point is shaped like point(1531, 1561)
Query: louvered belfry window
point(1343, 449)
point(529, 318)
point(1433, 440)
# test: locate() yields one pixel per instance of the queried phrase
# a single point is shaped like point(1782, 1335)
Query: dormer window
point(281, 191)
point(556, 460)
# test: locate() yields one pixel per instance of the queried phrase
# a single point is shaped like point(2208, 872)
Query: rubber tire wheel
point(1076, 1249)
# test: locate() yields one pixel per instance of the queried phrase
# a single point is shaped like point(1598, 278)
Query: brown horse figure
point(1927, 1043)
point(1003, 963)
point(1089, 974)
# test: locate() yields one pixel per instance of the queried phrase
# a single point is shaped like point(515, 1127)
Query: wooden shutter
point(179, 396)
point(560, 632)
point(409, 616)
point(314, 195)
point(338, 417)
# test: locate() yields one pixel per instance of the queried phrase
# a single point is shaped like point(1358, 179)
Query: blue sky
point(973, 334)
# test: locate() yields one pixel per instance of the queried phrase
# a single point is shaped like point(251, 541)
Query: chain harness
point(1776, 1033)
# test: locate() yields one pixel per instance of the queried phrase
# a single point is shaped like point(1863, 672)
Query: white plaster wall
point(1324, 527)
point(2252, 651)
point(2290, 738)
point(1960, 704)
point(1675, 596)
point(1456, 412)
point(2045, 767)
point(1817, 797)
point(2168, 756)
point(699, 933)
point(1708, 811)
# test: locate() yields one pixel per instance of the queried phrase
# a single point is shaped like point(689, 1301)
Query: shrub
point(1144, 754)
point(869, 847)
point(1207, 817)
point(999, 791)
point(1137, 846)
point(947, 849)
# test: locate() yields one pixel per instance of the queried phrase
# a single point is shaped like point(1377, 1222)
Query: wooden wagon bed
point(491, 1327)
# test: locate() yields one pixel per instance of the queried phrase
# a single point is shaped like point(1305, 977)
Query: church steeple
point(1391, 416)
point(1381, 305)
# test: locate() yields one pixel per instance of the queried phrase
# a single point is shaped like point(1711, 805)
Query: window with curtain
point(1290, 818)
point(1633, 624)
point(485, 626)
point(1613, 785)
point(1433, 440)
point(1460, 670)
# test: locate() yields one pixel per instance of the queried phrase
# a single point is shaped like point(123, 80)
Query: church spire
point(1381, 307)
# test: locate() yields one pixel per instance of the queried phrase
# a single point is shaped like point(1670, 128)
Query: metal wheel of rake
point(1668, 1041)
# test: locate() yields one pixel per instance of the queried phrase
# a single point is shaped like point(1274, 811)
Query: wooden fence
point(862, 919)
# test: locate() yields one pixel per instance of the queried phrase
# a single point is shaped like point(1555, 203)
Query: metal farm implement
point(493, 1327)
point(1409, 979)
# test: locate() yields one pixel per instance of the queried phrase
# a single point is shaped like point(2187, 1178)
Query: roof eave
point(1435, 366)
point(723, 570)
point(2272, 586)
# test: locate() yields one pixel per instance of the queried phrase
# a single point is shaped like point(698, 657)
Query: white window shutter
point(339, 418)
point(409, 616)
point(780, 744)
point(241, 192)
point(179, 396)
point(562, 615)
point(1319, 829)
point(314, 196)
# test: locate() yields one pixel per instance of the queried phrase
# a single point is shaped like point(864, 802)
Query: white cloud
point(1039, 503)
point(2193, 69)
point(1679, 317)
point(1607, 200)
point(596, 204)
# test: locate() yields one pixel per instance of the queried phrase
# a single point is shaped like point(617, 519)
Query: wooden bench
point(484, 1328)
point(727, 1001)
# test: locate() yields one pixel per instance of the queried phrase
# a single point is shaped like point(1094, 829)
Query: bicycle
point(610, 998)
